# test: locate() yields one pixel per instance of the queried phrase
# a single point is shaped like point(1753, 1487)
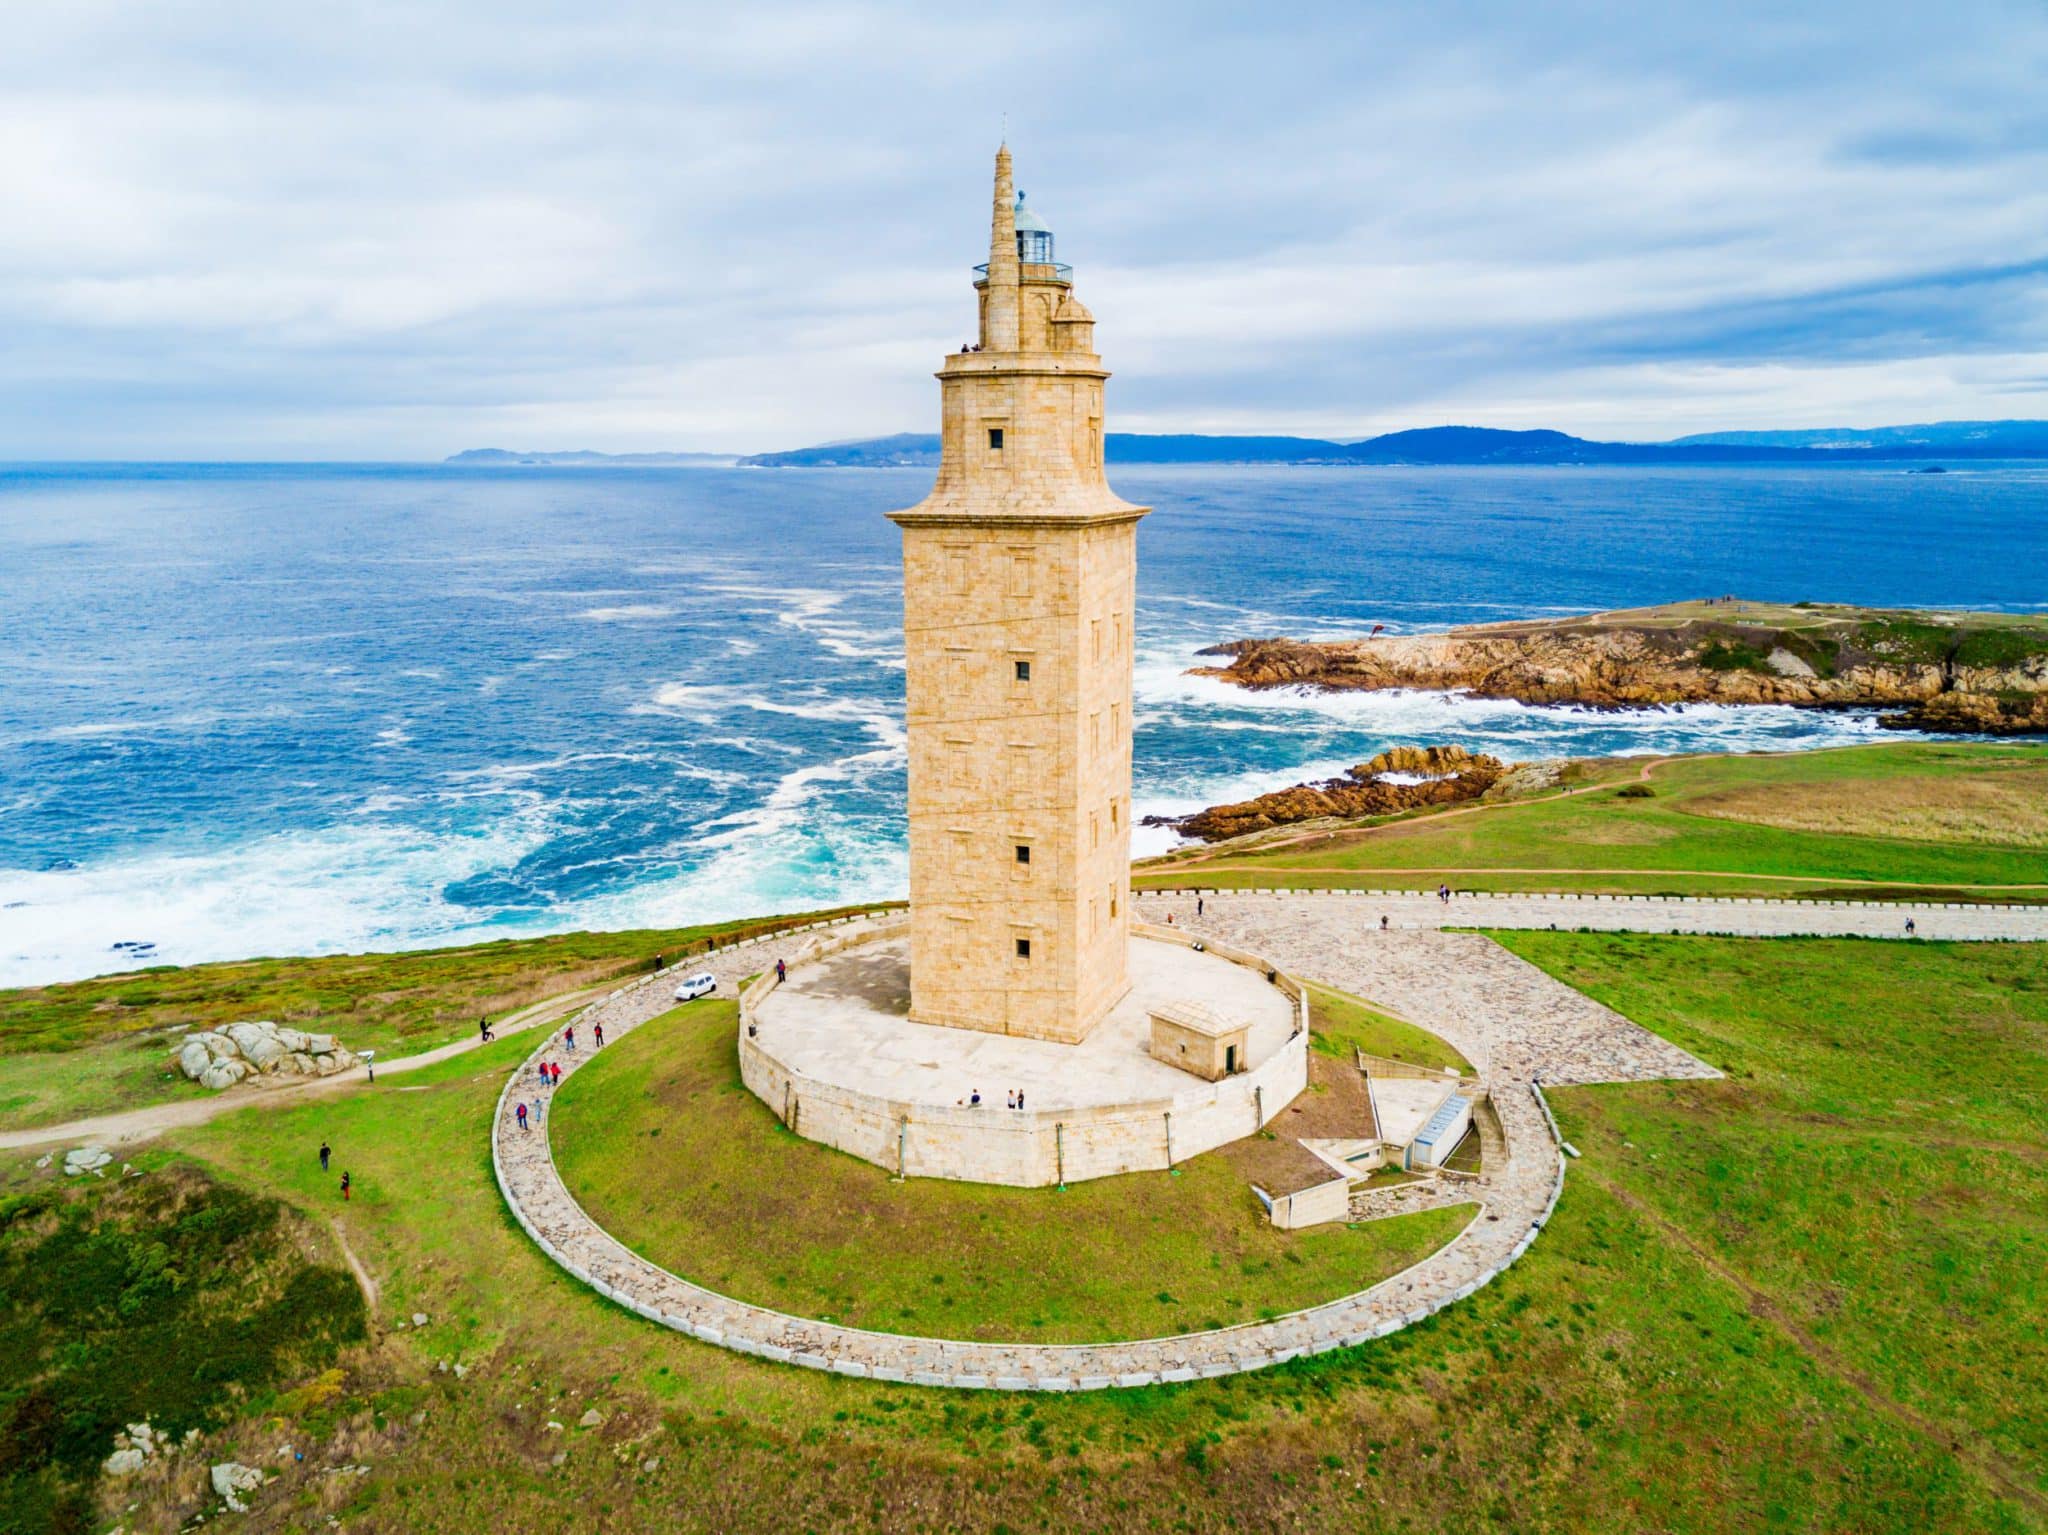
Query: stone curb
point(750, 1329)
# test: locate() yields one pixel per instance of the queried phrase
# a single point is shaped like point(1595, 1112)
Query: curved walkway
point(1511, 1020)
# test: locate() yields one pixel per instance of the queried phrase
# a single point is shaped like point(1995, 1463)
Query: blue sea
point(289, 710)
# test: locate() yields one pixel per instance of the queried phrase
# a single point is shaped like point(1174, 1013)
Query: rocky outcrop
point(1402, 778)
point(221, 1058)
point(85, 1159)
point(1962, 672)
point(134, 1447)
point(231, 1479)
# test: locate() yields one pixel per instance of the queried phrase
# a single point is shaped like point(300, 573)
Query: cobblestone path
point(1507, 1017)
point(1408, 910)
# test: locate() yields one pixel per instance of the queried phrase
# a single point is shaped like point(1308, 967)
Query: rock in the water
point(231, 1479)
point(194, 1058)
point(224, 1074)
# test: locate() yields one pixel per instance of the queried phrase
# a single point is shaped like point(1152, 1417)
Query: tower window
point(1023, 852)
point(995, 439)
point(1023, 671)
point(1023, 948)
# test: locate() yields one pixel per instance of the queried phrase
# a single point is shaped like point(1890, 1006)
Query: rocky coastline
point(1960, 673)
point(1399, 779)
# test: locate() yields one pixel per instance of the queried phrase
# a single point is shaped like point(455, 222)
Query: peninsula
point(1921, 669)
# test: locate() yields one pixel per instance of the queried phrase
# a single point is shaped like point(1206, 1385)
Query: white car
point(702, 984)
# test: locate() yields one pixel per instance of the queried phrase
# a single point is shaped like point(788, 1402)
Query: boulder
point(300, 1062)
point(325, 1065)
point(259, 1044)
point(591, 1419)
point(231, 1479)
point(194, 1058)
point(124, 1462)
point(297, 1040)
point(321, 1044)
point(218, 1045)
point(224, 1074)
point(85, 1159)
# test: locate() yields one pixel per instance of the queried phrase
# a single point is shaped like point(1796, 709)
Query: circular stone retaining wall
point(1029, 1148)
point(1520, 1202)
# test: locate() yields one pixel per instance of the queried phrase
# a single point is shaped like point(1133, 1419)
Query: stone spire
point(999, 315)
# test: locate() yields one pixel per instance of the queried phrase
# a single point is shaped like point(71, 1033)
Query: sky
point(361, 230)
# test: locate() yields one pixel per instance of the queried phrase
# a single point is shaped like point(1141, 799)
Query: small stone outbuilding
point(1190, 1036)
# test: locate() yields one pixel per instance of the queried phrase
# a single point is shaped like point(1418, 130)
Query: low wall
point(1312, 1206)
point(1034, 1147)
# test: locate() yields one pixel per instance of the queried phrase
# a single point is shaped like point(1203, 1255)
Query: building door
point(1230, 1060)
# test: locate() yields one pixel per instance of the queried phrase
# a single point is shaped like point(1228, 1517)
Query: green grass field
point(102, 1045)
point(1944, 820)
point(1805, 1298)
point(659, 1140)
point(1340, 1023)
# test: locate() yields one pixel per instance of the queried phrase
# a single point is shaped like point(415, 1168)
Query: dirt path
point(355, 1266)
point(141, 1124)
point(1965, 1445)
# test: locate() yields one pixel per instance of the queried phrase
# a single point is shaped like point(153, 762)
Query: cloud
point(375, 230)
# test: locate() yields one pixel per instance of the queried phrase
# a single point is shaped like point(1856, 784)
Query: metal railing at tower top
point(1059, 269)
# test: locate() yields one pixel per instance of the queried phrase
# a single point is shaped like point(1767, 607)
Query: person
point(781, 972)
point(345, 1185)
point(1198, 906)
point(1383, 922)
point(1010, 1099)
point(483, 1028)
point(1910, 930)
point(657, 962)
point(554, 1073)
point(325, 1152)
point(1169, 919)
point(974, 1099)
point(569, 1037)
point(1020, 1097)
point(521, 1111)
point(1443, 893)
point(597, 1030)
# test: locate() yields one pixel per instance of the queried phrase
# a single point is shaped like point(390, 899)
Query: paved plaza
point(841, 1019)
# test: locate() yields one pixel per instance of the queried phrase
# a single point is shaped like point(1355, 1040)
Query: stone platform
point(833, 1052)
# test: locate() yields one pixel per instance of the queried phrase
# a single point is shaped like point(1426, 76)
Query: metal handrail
point(1060, 269)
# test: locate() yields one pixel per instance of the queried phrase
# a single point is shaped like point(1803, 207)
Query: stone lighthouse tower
point(1019, 582)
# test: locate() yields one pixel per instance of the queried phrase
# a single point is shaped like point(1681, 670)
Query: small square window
point(1023, 948)
point(1023, 852)
point(1023, 671)
point(995, 439)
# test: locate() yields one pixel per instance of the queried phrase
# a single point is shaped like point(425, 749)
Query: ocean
point(251, 710)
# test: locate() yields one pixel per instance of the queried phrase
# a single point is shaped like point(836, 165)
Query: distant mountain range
point(1955, 440)
point(583, 458)
point(1485, 445)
